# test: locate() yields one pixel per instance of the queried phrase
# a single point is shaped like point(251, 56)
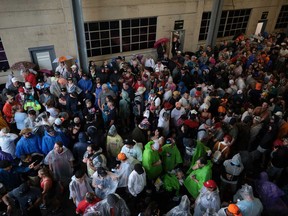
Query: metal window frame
point(281, 16)
point(121, 35)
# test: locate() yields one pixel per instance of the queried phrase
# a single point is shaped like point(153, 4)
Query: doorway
point(261, 25)
point(43, 57)
point(180, 35)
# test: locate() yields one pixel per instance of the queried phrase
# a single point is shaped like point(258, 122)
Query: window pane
point(85, 27)
point(86, 36)
point(104, 34)
point(143, 38)
point(152, 37)
point(144, 22)
point(104, 25)
point(94, 35)
point(135, 38)
point(95, 44)
point(150, 44)
point(126, 40)
point(152, 29)
point(115, 41)
point(3, 56)
point(106, 51)
point(135, 31)
point(114, 33)
point(153, 21)
point(105, 42)
point(88, 45)
point(88, 53)
point(93, 26)
point(144, 30)
point(115, 49)
point(143, 45)
point(125, 23)
point(96, 52)
point(114, 25)
point(126, 48)
point(135, 22)
point(125, 32)
point(134, 47)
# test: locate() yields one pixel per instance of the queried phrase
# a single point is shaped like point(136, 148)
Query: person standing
point(137, 180)
point(7, 141)
point(207, 199)
point(202, 172)
point(79, 186)
point(151, 160)
point(60, 161)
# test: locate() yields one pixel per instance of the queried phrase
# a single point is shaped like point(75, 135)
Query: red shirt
point(83, 205)
point(31, 78)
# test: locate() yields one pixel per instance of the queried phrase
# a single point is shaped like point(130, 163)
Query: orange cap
point(234, 209)
point(121, 156)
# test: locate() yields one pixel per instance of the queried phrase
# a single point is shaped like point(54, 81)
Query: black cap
point(57, 73)
point(63, 89)
point(69, 78)
point(119, 58)
point(101, 171)
point(40, 80)
point(129, 142)
point(138, 168)
point(4, 164)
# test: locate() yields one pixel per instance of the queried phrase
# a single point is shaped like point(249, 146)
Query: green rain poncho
point(171, 157)
point(148, 159)
point(199, 152)
point(202, 175)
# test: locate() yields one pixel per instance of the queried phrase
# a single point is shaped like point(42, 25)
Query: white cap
point(239, 92)
point(28, 85)
point(193, 112)
point(279, 114)
point(14, 79)
point(73, 66)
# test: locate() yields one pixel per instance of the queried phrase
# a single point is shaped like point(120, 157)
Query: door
point(43, 57)
point(180, 36)
point(260, 27)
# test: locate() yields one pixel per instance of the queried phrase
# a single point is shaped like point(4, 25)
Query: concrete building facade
point(31, 24)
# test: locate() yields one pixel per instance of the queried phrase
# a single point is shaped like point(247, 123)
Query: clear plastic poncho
point(102, 208)
point(183, 209)
point(108, 185)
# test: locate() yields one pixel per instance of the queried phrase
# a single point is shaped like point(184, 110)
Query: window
point(231, 23)
point(108, 37)
point(204, 25)
point(4, 65)
point(282, 20)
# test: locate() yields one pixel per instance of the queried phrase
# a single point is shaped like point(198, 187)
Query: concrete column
point(214, 22)
point(80, 34)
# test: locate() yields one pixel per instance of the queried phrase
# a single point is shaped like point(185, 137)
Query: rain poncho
point(60, 164)
point(123, 172)
point(207, 200)
point(233, 168)
point(78, 191)
point(136, 182)
point(102, 208)
point(114, 142)
point(98, 160)
point(149, 158)
point(49, 141)
point(171, 182)
point(200, 151)
point(28, 145)
point(248, 204)
point(108, 184)
point(202, 175)
point(171, 157)
point(124, 105)
point(270, 195)
point(183, 209)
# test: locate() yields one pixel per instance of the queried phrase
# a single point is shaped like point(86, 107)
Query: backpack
point(217, 156)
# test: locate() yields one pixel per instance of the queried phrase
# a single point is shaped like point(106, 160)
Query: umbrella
point(62, 58)
point(161, 40)
point(46, 71)
point(23, 65)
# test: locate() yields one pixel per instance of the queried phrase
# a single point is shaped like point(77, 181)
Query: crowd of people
point(200, 133)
